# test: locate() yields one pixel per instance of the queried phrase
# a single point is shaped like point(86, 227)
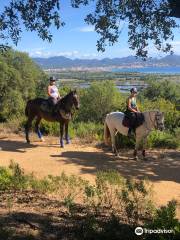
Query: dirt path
point(162, 166)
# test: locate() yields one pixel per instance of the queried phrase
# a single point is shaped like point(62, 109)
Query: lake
point(152, 70)
point(121, 87)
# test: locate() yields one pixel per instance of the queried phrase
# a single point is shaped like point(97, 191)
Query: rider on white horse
point(132, 110)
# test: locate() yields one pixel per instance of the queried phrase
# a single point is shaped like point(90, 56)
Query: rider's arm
point(49, 91)
point(129, 106)
point(137, 109)
point(58, 93)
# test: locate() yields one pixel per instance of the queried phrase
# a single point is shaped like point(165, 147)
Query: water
point(152, 70)
point(122, 88)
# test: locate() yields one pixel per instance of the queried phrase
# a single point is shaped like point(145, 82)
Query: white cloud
point(70, 54)
point(85, 29)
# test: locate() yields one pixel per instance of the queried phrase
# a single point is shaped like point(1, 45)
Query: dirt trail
point(162, 167)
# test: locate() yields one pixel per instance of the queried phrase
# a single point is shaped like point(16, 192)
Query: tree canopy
point(21, 79)
point(147, 21)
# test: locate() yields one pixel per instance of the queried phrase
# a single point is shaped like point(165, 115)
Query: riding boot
point(131, 132)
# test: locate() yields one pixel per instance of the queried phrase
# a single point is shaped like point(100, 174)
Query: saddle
point(138, 120)
point(47, 107)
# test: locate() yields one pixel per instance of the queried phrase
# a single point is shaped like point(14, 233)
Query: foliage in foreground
point(126, 203)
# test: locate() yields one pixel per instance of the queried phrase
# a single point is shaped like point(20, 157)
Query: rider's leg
point(37, 129)
point(132, 119)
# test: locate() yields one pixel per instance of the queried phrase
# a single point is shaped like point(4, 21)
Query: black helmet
point(52, 78)
point(133, 90)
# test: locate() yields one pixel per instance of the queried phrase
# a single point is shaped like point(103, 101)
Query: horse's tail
point(27, 108)
point(106, 133)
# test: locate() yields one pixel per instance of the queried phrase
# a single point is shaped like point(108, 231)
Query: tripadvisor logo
point(140, 231)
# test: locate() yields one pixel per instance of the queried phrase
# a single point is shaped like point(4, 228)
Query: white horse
point(113, 124)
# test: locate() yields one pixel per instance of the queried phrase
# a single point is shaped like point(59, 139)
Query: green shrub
point(162, 89)
point(98, 100)
point(13, 178)
point(5, 178)
point(163, 140)
point(113, 207)
point(124, 141)
point(89, 131)
point(165, 218)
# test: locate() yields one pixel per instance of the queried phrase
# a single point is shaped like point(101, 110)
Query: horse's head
point(159, 120)
point(74, 99)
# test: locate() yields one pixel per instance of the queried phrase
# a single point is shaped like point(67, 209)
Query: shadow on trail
point(47, 219)
point(14, 146)
point(158, 166)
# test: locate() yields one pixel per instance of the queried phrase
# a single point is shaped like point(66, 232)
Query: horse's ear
point(75, 91)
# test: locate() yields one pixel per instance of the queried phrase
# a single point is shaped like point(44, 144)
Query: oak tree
point(147, 20)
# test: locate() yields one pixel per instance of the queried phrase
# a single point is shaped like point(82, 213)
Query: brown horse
point(61, 113)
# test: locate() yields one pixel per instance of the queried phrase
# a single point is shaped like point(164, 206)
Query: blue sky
point(78, 40)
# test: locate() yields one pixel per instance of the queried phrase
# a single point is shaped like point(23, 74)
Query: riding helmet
point(52, 78)
point(133, 90)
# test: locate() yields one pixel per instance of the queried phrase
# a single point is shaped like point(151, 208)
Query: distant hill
point(130, 61)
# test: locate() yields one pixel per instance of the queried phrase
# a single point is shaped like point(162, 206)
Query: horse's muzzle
point(77, 107)
point(161, 128)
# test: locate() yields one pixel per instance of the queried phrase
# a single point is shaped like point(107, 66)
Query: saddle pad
point(138, 120)
point(125, 121)
point(45, 107)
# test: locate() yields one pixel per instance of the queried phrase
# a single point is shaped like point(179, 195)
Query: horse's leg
point(61, 134)
point(66, 133)
point(27, 127)
point(37, 129)
point(144, 145)
point(137, 145)
point(113, 142)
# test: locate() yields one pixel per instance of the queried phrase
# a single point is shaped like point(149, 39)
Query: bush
point(163, 140)
point(165, 218)
point(112, 203)
point(89, 131)
point(98, 100)
point(168, 90)
point(13, 178)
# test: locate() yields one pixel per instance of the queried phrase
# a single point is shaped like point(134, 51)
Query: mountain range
point(130, 61)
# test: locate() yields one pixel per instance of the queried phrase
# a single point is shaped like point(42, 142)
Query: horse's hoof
point(62, 146)
point(28, 142)
point(136, 158)
point(68, 142)
point(42, 139)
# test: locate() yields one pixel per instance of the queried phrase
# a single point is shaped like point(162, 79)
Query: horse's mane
point(61, 103)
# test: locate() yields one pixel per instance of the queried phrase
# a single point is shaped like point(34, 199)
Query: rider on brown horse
point(53, 92)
